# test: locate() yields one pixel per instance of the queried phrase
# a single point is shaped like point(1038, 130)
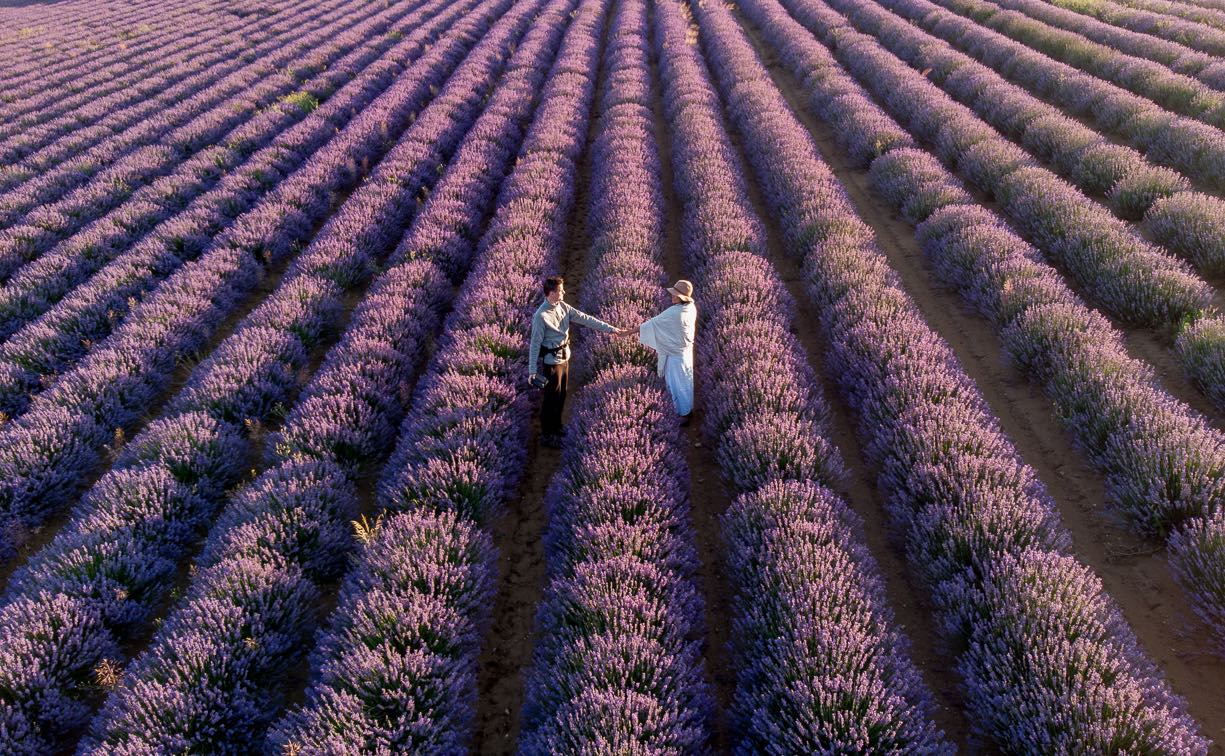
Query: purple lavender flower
point(460, 451)
point(768, 435)
point(953, 482)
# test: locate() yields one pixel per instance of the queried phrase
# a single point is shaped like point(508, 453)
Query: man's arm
point(533, 348)
point(583, 319)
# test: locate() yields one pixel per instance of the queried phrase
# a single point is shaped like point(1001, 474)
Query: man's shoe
point(550, 442)
point(685, 419)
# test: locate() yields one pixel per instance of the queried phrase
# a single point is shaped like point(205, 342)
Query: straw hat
point(682, 289)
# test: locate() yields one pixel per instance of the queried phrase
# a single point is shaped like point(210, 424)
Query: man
point(551, 341)
point(670, 334)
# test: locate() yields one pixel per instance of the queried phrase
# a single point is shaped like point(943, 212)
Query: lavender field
point(272, 481)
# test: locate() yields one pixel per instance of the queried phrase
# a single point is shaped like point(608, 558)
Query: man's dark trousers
point(554, 398)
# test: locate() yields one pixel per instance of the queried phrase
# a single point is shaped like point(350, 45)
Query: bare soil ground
point(521, 577)
point(708, 497)
point(519, 535)
point(1134, 571)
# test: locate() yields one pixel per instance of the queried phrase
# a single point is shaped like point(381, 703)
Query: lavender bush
point(617, 663)
point(620, 619)
point(458, 457)
point(793, 545)
point(115, 384)
point(772, 445)
point(1197, 555)
point(954, 483)
point(1089, 160)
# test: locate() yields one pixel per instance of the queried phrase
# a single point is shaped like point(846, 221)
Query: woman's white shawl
point(671, 332)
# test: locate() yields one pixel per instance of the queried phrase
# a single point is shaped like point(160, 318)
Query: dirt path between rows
point(708, 497)
point(1134, 571)
point(521, 576)
point(519, 534)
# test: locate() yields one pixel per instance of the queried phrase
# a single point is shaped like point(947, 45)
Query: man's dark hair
point(552, 284)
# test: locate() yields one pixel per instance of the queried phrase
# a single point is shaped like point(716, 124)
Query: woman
point(670, 334)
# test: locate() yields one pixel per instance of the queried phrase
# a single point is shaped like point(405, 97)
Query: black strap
point(557, 350)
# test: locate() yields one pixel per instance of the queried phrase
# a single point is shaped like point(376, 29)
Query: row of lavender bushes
point(1055, 217)
point(172, 204)
point(47, 452)
point(133, 158)
point(1195, 149)
point(1075, 50)
point(72, 135)
point(396, 669)
point(75, 295)
point(72, 149)
point(38, 42)
point(1190, 224)
point(617, 665)
point(107, 571)
point(1128, 276)
point(1208, 69)
point(1210, 12)
point(1173, 90)
point(93, 38)
point(1154, 17)
point(820, 664)
point(980, 530)
point(30, 38)
point(1163, 463)
point(52, 91)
